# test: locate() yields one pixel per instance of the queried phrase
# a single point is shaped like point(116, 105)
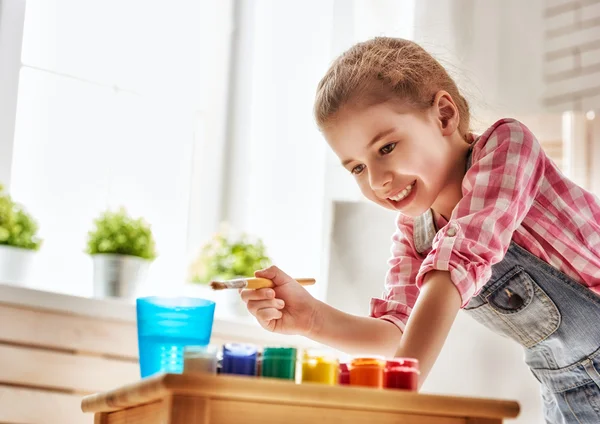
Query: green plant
point(118, 233)
point(226, 256)
point(17, 227)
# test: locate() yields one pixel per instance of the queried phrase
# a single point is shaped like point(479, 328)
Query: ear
point(446, 113)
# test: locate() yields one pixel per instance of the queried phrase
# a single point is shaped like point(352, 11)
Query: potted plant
point(18, 240)
point(122, 248)
point(226, 256)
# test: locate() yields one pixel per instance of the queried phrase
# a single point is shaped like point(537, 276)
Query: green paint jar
point(279, 362)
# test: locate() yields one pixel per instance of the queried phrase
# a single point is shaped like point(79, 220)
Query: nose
point(379, 178)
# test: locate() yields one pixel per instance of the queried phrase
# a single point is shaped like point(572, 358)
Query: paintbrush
point(253, 283)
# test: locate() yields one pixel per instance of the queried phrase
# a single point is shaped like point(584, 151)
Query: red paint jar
point(402, 373)
point(367, 372)
point(344, 374)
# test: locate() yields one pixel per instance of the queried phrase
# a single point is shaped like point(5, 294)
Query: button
point(451, 232)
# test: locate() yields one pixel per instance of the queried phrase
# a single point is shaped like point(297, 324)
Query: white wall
point(492, 48)
point(572, 55)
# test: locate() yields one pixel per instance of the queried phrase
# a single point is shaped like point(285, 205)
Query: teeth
point(402, 194)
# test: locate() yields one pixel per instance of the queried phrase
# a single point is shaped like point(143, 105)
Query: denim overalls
point(555, 319)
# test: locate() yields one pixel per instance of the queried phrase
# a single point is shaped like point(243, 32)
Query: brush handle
point(261, 283)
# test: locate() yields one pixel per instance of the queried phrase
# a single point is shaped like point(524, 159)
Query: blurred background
point(195, 114)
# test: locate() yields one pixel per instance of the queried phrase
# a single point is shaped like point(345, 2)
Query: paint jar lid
point(239, 350)
point(209, 351)
point(319, 355)
point(287, 353)
point(368, 361)
point(402, 363)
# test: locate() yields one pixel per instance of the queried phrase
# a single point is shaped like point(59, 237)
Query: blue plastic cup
point(165, 326)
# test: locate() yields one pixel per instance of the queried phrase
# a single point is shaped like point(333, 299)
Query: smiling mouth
point(404, 193)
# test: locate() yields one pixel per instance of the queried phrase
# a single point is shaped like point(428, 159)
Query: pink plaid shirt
point(512, 191)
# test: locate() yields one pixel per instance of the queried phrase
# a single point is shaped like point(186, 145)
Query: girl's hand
point(287, 308)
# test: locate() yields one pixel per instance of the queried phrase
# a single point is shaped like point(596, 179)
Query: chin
point(414, 210)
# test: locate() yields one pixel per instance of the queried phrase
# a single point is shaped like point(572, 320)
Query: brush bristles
point(218, 285)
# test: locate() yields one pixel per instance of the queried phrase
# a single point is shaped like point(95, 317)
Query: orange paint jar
point(367, 372)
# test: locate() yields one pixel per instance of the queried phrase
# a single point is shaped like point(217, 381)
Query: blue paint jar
point(239, 359)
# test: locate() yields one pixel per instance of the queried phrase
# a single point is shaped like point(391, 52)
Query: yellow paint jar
point(320, 367)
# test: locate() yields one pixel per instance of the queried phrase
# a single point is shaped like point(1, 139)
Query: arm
point(354, 334)
point(289, 309)
point(380, 333)
point(430, 321)
point(423, 338)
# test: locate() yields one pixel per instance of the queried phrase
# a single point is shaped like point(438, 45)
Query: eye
point(387, 149)
point(357, 169)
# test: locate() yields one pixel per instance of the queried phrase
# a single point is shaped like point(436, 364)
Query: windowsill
point(124, 310)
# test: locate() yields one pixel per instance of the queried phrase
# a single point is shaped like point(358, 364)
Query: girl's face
point(401, 159)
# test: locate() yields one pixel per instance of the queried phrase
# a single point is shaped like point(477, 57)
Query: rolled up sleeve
point(401, 292)
point(498, 191)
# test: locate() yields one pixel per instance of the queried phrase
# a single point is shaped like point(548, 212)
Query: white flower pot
point(15, 265)
point(118, 275)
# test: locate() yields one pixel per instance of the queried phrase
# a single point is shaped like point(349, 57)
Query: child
point(486, 223)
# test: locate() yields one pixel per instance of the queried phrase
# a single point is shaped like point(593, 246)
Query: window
point(120, 103)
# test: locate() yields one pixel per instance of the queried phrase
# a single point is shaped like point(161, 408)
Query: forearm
point(354, 334)
point(430, 321)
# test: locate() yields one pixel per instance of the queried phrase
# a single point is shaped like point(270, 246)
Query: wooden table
point(198, 398)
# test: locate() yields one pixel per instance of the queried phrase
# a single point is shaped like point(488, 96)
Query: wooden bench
point(49, 360)
point(51, 357)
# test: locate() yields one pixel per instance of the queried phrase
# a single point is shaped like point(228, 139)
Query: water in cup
point(166, 326)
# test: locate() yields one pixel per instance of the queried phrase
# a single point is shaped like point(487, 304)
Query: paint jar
point(401, 373)
point(344, 375)
point(319, 367)
point(279, 362)
point(367, 371)
point(239, 358)
point(202, 359)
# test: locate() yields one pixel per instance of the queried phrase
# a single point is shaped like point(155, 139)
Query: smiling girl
point(486, 223)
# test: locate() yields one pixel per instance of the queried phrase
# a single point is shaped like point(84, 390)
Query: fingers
point(267, 312)
point(267, 315)
point(260, 294)
point(255, 306)
point(274, 274)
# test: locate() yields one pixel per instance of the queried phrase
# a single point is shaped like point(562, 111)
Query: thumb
point(274, 274)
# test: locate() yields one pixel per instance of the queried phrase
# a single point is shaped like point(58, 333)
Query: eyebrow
point(374, 140)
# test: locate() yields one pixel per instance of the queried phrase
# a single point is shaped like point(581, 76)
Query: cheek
point(365, 188)
point(429, 163)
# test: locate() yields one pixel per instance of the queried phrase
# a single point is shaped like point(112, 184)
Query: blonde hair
point(383, 69)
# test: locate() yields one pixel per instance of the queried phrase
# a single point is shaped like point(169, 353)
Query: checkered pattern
point(512, 191)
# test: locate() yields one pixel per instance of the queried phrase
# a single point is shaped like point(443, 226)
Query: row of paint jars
point(312, 367)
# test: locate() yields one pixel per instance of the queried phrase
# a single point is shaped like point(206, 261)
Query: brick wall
point(572, 55)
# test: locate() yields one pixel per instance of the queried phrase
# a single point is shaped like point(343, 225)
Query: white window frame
point(12, 18)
